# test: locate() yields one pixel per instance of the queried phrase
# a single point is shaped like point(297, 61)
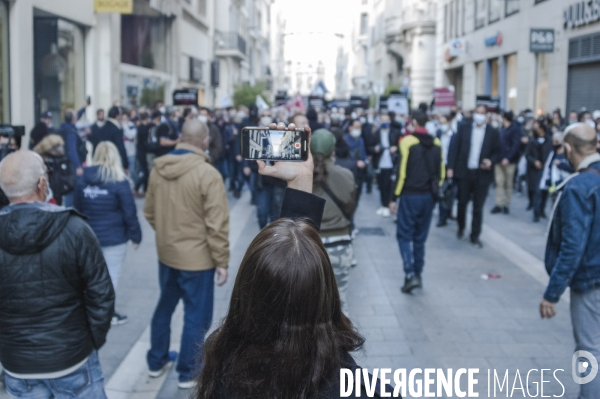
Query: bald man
point(56, 294)
point(572, 255)
point(186, 204)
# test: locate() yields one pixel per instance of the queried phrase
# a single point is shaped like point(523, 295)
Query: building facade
point(536, 54)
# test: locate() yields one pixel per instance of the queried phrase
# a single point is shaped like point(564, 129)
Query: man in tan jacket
point(186, 204)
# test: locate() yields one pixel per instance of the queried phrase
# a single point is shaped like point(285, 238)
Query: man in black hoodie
point(56, 294)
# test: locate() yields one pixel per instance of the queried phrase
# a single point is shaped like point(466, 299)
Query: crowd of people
point(183, 160)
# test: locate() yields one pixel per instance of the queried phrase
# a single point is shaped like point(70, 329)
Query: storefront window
point(59, 66)
point(495, 10)
point(144, 42)
point(495, 71)
point(480, 13)
point(511, 81)
point(4, 85)
point(512, 7)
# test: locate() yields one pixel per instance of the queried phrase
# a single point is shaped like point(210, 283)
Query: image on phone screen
point(274, 145)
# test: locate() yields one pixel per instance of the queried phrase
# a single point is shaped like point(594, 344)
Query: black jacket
point(375, 140)
point(113, 133)
point(536, 151)
point(510, 139)
point(458, 155)
point(57, 297)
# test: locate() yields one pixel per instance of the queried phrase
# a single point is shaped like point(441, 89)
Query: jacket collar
point(114, 122)
point(590, 159)
point(192, 148)
point(420, 130)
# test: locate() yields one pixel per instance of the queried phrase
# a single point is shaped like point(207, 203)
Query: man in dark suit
point(112, 131)
point(471, 163)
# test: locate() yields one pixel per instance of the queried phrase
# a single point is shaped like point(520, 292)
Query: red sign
point(297, 145)
point(443, 97)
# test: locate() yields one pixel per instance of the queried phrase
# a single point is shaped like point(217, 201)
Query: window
point(149, 47)
point(494, 11)
point(4, 95)
point(456, 16)
point(480, 13)
point(451, 25)
point(511, 7)
point(445, 23)
point(464, 12)
point(202, 7)
point(539, 1)
point(364, 23)
point(365, 1)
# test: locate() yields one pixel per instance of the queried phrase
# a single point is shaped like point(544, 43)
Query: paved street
point(458, 320)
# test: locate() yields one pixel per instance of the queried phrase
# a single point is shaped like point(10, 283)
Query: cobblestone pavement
point(458, 320)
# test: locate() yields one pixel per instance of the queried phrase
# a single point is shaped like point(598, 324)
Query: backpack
point(153, 140)
point(62, 178)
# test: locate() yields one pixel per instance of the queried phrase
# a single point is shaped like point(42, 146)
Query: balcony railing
point(232, 41)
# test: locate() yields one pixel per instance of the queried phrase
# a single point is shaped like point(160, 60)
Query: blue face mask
point(385, 125)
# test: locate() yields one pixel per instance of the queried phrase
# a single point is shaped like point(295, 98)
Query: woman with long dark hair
point(285, 336)
point(538, 150)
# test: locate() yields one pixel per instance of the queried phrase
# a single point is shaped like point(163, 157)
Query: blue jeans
point(87, 382)
point(268, 204)
point(414, 218)
point(196, 288)
point(585, 316)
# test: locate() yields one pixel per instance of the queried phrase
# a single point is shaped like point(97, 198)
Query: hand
point(393, 149)
point(298, 175)
point(377, 148)
point(450, 173)
point(136, 246)
point(392, 207)
point(547, 309)
point(361, 164)
point(505, 162)
point(486, 164)
point(220, 276)
point(239, 158)
point(557, 162)
point(538, 164)
point(79, 171)
point(247, 171)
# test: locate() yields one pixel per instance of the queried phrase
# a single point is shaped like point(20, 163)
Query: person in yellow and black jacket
point(420, 172)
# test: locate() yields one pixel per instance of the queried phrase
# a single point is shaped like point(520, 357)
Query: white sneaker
point(158, 373)
point(379, 211)
point(386, 213)
point(186, 384)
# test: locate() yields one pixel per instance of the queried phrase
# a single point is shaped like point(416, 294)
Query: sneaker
point(386, 213)
point(476, 243)
point(380, 211)
point(189, 384)
point(460, 235)
point(410, 283)
point(441, 223)
point(161, 371)
point(506, 210)
point(496, 209)
point(118, 319)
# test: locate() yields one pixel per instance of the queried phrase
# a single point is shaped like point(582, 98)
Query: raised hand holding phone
point(298, 175)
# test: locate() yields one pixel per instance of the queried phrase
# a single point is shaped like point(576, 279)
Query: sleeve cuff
point(299, 204)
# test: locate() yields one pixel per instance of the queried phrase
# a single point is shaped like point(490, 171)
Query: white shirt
point(477, 136)
point(385, 162)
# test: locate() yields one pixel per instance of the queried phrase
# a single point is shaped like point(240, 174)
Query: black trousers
point(384, 182)
point(474, 187)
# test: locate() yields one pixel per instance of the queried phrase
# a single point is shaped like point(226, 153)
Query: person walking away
point(510, 141)
point(41, 129)
point(572, 257)
point(163, 137)
point(470, 163)
point(186, 204)
point(75, 148)
point(236, 161)
point(141, 153)
point(111, 131)
point(556, 169)
point(336, 185)
point(53, 322)
point(357, 149)
point(103, 195)
point(420, 171)
point(215, 144)
point(538, 150)
point(445, 134)
point(100, 120)
point(384, 155)
point(129, 137)
point(61, 176)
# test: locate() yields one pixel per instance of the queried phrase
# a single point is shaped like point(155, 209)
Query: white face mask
point(162, 110)
point(362, 120)
point(479, 119)
point(355, 133)
point(591, 123)
point(265, 121)
point(444, 128)
point(203, 118)
point(49, 194)
point(495, 124)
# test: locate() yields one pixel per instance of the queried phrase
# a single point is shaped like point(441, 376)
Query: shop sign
point(316, 101)
point(443, 97)
point(457, 47)
point(581, 13)
point(398, 103)
point(215, 73)
point(541, 41)
point(195, 69)
point(185, 97)
point(492, 103)
point(495, 40)
point(119, 6)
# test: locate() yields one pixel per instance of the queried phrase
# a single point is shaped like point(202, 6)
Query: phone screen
point(274, 145)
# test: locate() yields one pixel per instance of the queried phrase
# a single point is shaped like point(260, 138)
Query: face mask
point(398, 119)
point(528, 128)
point(370, 119)
point(459, 117)
point(385, 125)
point(444, 128)
point(495, 124)
point(479, 119)
point(353, 115)
point(49, 194)
point(362, 120)
point(265, 121)
point(591, 123)
point(520, 119)
point(162, 110)
point(203, 118)
point(355, 133)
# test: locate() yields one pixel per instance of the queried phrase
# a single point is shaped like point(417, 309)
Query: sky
point(314, 24)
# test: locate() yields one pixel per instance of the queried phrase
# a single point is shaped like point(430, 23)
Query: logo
point(580, 367)
point(297, 145)
point(495, 40)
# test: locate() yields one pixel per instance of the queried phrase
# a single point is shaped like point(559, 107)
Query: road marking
point(130, 380)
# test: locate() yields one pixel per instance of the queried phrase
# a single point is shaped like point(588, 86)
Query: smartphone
point(274, 145)
point(88, 100)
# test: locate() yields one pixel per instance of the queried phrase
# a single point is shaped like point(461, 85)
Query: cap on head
point(322, 142)
point(46, 115)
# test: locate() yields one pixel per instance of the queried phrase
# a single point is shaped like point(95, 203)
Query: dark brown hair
point(285, 334)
